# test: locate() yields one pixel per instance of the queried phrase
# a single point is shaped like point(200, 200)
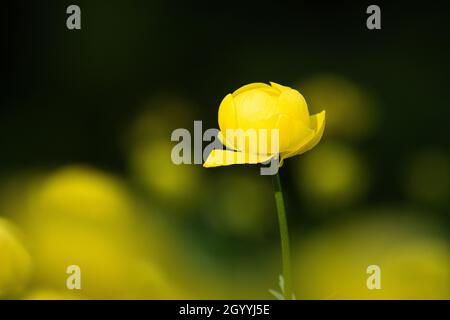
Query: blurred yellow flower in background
point(15, 262)
point(82, 216)
point(148, 151)
point(49, 294)
point(351, 109)
point(332, 175)
point(77, 193)
point(413, 256)
point(151, 167)
point(259, 106)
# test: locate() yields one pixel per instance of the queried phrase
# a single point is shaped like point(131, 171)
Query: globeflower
point(260, 121)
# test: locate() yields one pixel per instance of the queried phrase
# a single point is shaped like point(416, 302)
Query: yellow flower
point(263, 108)
point(15, 261)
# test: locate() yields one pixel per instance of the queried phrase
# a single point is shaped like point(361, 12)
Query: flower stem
point(285, 249)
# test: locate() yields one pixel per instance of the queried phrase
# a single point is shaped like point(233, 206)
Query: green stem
point(285, 250)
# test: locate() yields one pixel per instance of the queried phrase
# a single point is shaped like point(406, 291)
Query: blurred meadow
point(86, 176)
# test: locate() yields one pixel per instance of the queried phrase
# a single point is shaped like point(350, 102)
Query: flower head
point(249, 116)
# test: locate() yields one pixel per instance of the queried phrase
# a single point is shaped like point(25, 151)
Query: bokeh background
point(86, 176)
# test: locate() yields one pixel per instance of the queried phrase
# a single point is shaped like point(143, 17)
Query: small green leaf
point(276, 294)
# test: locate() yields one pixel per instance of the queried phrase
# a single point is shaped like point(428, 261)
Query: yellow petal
point(300, 146)
point(318, 125)
point(255, 105)
point(291, 102)
point(227, 114)
point(219, 157)
point(280, 87)
point(284, 125)
point(293, 133)
point(229, 141)
point(255, 85)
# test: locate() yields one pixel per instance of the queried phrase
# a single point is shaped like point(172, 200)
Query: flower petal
point(251, 86)
point(318, 125)
point(280, 87)
point(291, 102)
point(227, 113)
point(226, 142)
point(254, 106)
point(219, 157)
